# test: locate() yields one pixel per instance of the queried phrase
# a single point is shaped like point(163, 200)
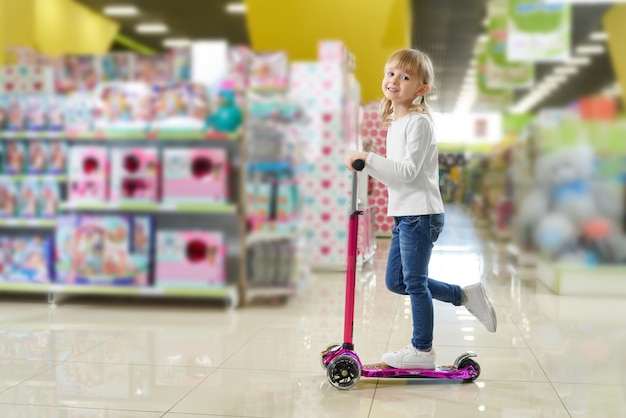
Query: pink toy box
point(103, 250)
point(195, 175)
point(190, 259)
point(88, 174)
point(135, 174)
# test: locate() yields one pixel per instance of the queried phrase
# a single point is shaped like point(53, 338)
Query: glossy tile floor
point(551, 357)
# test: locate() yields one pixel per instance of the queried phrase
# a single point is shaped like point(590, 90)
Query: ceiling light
point(566, 70)
point(599, 36)
point(236, 8)
point(176, 42)
point(151, 28)
point(590, 49)
point(556, 77)
point(120, 11)
point(578, 61)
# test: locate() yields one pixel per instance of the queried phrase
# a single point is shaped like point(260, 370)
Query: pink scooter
point(342, 364)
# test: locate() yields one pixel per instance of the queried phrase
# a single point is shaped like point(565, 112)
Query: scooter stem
point(353, 232)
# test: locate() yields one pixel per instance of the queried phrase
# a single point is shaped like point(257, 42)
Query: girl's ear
point(424, 90)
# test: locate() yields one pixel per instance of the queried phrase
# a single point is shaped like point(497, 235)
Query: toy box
point(123, 107)
point(14, 157)
point(49, 197)
point(153, 69)
point(181, 64)
point(101, 250)
point(55, 113)
point(75, 72)
point(117, 66)
point(135, 174)
point(195, 175)
point(190, 258)
point(27, 78)
point(8, 197)
point(268, 70)
point(79, 112)
point(28, 201)
point(4, 112)
point(38, 154)
point(26, 259)
point(16, 113)
point(239, 59)
point(88, 174)
point(57, 157)
point(180, 107)
point(35, 108)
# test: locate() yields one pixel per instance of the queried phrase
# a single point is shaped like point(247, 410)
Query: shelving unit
point(220, 216)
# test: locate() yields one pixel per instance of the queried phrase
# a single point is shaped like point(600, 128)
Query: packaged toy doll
point(8, 197)
point(79, 113)
point(38, 154)
point(35, 107)
point(15, 157)
point(28, 199)
point(153, 69)
point(55, 113)
point(57, 157)
point(49, 198)
point(16, 113)
point(268, 70)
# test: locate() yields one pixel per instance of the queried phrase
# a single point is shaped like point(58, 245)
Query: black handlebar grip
point(358, 165)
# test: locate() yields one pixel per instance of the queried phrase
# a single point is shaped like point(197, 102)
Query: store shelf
point(152, 207)
point(39, 177)
point(582, 280)
point(165, 135)
point(225, 292)
point(33, 223)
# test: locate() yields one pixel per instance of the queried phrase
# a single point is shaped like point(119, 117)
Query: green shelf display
point(20, 222)
point(215, 292)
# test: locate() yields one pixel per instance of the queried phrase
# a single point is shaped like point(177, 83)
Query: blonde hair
point(417, 64)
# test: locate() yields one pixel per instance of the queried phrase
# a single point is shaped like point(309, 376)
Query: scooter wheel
point(325, 353)
point(343, 372)
point(466, 362)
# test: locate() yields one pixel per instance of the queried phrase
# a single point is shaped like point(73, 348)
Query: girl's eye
point(389, 73)
point(405, 77)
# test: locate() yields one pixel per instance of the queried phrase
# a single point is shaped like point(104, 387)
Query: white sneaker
point(478, 304)
point(410, 358)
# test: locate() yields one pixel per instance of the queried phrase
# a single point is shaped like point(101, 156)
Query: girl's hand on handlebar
point(352, 157)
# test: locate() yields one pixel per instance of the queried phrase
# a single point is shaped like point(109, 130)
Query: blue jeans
point(412, 243)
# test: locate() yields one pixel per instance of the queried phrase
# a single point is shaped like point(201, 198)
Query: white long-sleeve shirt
point(411, 169)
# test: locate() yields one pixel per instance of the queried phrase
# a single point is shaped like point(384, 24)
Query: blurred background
point(141, 137)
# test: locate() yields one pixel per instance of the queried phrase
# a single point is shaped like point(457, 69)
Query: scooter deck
point(382, 370)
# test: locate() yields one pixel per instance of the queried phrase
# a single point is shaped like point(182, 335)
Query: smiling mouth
point(391, 89)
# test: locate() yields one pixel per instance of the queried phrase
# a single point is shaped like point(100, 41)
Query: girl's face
point(400, 87)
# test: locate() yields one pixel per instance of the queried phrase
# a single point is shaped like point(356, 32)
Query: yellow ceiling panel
point(613, 22)
point(370, 29)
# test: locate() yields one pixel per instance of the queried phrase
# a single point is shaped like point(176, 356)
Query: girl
point(410, 171)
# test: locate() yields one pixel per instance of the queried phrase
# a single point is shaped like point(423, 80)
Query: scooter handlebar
point(358, 165)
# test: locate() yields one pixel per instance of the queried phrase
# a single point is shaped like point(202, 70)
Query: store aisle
point(551, 357)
